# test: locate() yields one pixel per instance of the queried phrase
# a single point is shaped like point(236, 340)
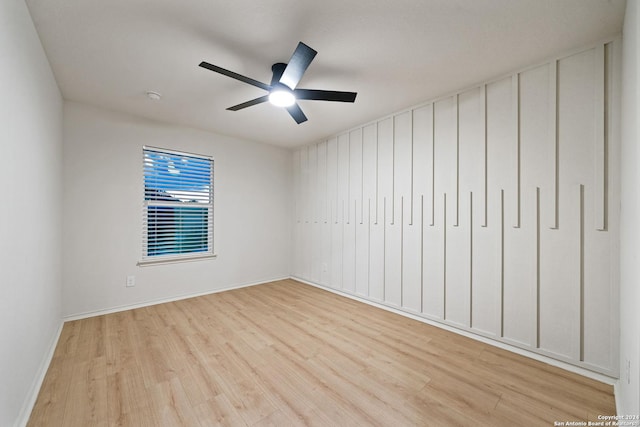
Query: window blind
point(178, 205)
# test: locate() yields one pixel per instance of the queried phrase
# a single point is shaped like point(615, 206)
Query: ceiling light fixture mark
point(154, 96)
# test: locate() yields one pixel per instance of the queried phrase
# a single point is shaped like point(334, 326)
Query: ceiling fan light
point(282, 98)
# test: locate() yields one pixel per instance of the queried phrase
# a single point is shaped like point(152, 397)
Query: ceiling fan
point(282, 90)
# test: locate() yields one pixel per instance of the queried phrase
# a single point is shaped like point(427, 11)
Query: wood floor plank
point(284, 353)
point(88, 379)
point(217, 411)
point(53, 392)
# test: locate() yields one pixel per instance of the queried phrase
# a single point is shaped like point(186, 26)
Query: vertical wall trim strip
point(384, 249)
point(342, 247)
point(369, 252)
point(355, 249)
point(330, 272)
point(483, 105)
point(457, 221)
point(393, 170)
point(471, 259)
point(412, 132)
point(582, 272)
point(307, 186)
point(349, 178)
point(537, 326)
point(433, 164)
point(297, 180)
point(444, 263)
point(337, 176)
point(402, 251)
point(422, 253)
point(295, 188)
point(501, 263)
point(607, 67)
point(317, 208)
point(600, 135)
point(361, 175)
point(554, 83)
point(377, 167)
point(515, 91)
point(326, 181)
point(355, 246)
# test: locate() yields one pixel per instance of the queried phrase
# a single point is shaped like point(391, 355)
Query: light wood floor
point(285, 353)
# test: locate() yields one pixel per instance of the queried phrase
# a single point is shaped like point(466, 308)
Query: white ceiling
point(395, 54)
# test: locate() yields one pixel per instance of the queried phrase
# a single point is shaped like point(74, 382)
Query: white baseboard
point(165, 300)
point(539, 357)
point(616, 389)
point(34, 390)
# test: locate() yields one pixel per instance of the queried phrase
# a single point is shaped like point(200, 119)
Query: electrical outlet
point(324, 267)
point(131, 281)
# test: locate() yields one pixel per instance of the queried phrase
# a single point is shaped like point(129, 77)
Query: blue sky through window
point(177, 178)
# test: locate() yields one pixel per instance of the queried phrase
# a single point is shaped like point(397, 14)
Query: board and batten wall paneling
point(492, 210)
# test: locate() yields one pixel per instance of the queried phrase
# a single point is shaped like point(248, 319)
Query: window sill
point(161, 261)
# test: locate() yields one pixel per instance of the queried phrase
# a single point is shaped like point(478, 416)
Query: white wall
point(628, 392)
point(103, 195)
point(30, 211)
point(493, 210)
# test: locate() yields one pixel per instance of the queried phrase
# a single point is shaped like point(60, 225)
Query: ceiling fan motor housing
point(277, 69)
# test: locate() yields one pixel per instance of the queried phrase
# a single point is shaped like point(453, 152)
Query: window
point(177, 219)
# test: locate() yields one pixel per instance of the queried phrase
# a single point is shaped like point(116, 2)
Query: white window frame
point(173, 258)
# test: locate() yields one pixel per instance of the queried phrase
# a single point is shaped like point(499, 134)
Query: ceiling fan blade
point(325, 95)
point(256, 101)
point(300, 60)
point(296, 113)
point(235, 75)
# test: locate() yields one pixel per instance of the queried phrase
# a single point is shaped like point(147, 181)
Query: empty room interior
point(329, 213)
